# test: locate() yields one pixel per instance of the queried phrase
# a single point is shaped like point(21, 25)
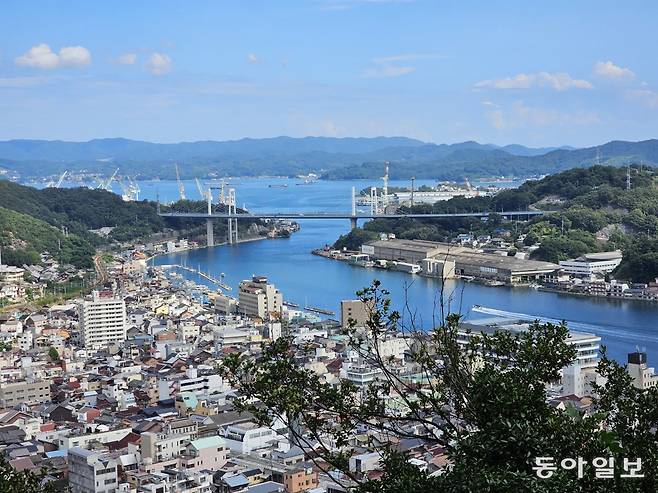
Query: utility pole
point(413, 178)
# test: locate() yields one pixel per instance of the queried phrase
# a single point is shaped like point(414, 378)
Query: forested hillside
point(594, 211)
point(332, 158)
point(23, 238)
point(33, 221)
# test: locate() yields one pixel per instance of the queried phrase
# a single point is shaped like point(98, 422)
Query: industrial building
point(591, 264)
point(413, 251)
point(467, 262)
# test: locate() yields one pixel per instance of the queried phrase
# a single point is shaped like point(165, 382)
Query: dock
point(200, 273)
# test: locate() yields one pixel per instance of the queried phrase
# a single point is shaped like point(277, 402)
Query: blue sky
point(535, 73)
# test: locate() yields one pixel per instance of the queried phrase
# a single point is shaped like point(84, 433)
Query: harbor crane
point(181, 187)
point(130, 189)
point(58, 183)
point(61, 179)
point(204, 195)
point(107, 185)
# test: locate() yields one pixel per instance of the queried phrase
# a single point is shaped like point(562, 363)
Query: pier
point(199, 273)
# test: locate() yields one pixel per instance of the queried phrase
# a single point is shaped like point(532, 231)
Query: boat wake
point(600, 330)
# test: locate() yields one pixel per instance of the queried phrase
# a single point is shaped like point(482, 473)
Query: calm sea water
point(307, 279)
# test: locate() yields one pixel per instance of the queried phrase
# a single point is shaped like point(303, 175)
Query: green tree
point(53, 353)
point(355, 238)
point(13, 481)
point(485, 402)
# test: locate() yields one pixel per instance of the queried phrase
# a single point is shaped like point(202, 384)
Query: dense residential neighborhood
point(120, 388)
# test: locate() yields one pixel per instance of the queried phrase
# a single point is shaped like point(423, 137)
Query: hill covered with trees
point(594, 211)
point(332, 158)
point(60, 221)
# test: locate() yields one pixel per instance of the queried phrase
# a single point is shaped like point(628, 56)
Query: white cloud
point(646, 96)
point(253, 58)
point(389, 66)
point(612, 71)
point(126, 59)
point(388, 71)
point(521, 115)
point(19, 82)
point(559, 81)
point(74, 56)
point(407, 57)
point(159, 63)
point(41, 56)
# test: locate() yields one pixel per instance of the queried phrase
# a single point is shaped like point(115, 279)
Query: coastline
point(319, 252)
point(200, 247)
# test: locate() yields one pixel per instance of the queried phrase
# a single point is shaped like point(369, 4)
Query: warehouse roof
point(466, 255)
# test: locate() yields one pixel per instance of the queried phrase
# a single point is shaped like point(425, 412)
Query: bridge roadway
point(334, 215)
point(345, 215)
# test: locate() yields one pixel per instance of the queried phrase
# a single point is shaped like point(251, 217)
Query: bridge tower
point(210, 233)
point(374, 203)
point(222, 196)
point(385, 190)
point(353, 221)
point(232, 222)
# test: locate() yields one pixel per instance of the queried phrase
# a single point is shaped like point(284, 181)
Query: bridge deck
point(338, 215)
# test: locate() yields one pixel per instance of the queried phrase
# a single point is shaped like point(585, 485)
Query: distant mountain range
point(333, 158)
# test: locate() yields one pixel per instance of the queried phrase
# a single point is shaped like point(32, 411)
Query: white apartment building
point(170, 443)
point(587, 345)
point(580, 381)
point(68, 439)
point(226, 305)
point(102, 320)
point(92, 471)
point(199, 383)
point(258, 298)
point(591, 264)
point(244, 438)
point(11, 274)
point(360, 374)
point(643, 376)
